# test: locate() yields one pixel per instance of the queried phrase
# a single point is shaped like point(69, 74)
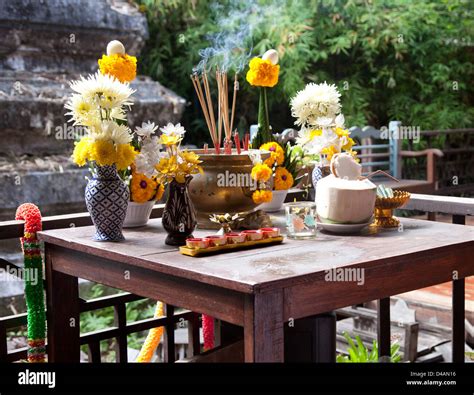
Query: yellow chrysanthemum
point(261, 172)
point(121, 66)
point(262, 73)
point(262, 196)
point(125, 156)
point(81, 151)
point(277, 155)
point(142, 188)
point(283, 179)
point(103, 152)
point(329, 151)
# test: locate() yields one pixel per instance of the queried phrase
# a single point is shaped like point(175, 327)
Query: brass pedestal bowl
point(225, 186)
point(384, 207)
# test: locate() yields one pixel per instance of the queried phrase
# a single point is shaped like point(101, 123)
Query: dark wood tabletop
point(262, 288)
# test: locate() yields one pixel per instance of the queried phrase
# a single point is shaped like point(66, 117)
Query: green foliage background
point(391, 59)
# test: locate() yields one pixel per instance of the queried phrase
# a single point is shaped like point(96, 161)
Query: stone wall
point(43, 45)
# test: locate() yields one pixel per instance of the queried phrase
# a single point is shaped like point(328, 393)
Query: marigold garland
point(34, 294)
point(121, 66)
point(153, 339)
point(208, 331)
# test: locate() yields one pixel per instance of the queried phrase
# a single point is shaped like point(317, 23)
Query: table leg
point(263, 327)
point(458, 335)
point(383, 327)
point(62, 314)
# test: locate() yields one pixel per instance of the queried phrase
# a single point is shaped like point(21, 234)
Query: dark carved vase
point(179, 218)
point(107, 198)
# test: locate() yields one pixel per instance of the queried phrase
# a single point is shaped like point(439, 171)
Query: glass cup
point(301, 220)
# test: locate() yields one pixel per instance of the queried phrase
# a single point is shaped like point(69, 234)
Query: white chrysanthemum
point(317, 105)
point(82, 111)
point(105, 90)
point(146, 130)
point(171, 129)
point(110, 130)
point(149, 156)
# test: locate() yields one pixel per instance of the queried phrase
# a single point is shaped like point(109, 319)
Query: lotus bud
point(271, 55)
point(115, 47)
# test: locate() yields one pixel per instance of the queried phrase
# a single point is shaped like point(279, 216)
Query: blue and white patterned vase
point(319, 172)
point(107, 199)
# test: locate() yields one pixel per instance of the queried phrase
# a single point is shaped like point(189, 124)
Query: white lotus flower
point(146, 130)
point(104, 90)
point(317, 105)
point(171, 129)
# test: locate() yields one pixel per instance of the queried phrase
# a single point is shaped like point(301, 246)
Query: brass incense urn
point(226, 186)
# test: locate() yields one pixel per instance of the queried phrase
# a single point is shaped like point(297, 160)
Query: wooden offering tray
point(230, 242)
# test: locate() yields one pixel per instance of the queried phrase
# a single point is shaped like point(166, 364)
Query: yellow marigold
point(262, 196)
point(262, 73)
point(283, 179)
point(121, 66)
point(261, 172)
point(103, 152)
point(142, 188)
point(277, 155)
point(159, 192)
point(125, 156)
point(81, 151)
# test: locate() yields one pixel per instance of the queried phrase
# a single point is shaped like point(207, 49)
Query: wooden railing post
point(120, 320)
point(168, 339)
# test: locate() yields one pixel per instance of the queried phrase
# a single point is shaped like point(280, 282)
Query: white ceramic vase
point(138, 214)
point(276, 204)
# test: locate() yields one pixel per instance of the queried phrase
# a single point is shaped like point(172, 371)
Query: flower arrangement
point(143, 184)
point(99, 104)
point(174, 163)
point(263, 73)
point(317, 110)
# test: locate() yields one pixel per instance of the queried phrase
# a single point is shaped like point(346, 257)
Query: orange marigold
point(277, 155)
point(142, 188)
point(283, 179)
point(262, 73)
point(262, 196)
point(261, 172)
point(121, 66)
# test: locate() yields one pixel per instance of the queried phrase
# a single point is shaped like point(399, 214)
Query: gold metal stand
point(384, 207)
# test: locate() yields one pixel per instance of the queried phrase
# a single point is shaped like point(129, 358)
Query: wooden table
point(258, 289)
